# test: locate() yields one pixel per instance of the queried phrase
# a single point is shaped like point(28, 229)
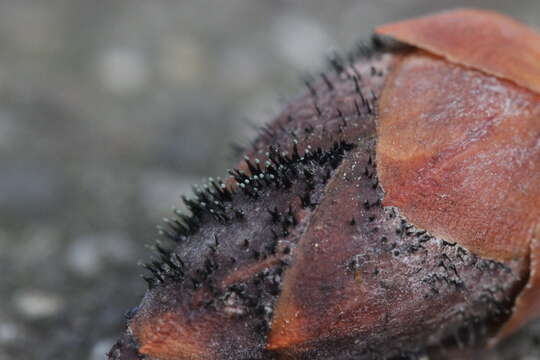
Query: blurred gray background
point(109, 110)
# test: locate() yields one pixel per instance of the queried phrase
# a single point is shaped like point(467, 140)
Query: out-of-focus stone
point(301, 41)
point(36, 304)
point(87, 254)
point(122, 71)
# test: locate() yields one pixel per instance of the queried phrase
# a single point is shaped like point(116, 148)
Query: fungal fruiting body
point(390, 212)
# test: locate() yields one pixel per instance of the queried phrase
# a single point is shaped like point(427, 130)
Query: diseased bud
point(391, 212)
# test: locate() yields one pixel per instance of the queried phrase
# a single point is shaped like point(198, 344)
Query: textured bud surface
point(308, 250)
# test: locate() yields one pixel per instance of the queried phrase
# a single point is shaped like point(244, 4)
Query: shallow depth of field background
point(109, 110)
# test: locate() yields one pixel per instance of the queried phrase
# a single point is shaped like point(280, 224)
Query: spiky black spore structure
point(259, 196)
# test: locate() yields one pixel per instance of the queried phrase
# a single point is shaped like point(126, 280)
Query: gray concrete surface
point(109, 110)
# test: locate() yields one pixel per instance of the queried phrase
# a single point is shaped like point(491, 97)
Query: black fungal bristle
point(310, 87)
point(275, 215)
point(336, 62)
point(327, 81)
point(357, 87)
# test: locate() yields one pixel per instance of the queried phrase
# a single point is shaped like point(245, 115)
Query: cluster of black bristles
point(340, 69)
point(215, 201)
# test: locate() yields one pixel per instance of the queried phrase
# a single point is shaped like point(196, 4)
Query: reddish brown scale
point(478, 184)
point(308, 251)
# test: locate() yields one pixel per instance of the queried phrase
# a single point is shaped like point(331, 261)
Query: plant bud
point(390, 212)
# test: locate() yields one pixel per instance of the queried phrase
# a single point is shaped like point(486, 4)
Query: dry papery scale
point(389, 212)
